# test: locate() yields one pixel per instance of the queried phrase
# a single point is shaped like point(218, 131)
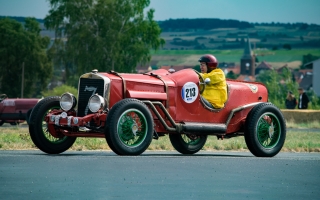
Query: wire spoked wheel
point(187, 143)
point(268, 130)
point(132, 128)
point(265, 130)
point(129, 127)
point(47, 140)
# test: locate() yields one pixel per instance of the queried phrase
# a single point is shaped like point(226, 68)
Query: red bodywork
point(161, 91)
point(15, 110)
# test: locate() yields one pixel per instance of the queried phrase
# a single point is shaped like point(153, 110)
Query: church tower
point(247, 64)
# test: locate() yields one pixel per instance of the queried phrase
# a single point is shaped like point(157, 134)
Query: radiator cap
point(94, 71)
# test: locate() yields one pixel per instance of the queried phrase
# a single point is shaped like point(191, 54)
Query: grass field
point(17, 138)
point(276, 58)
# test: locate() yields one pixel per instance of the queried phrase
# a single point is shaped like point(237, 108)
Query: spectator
point(303, 99)
point(291, 101)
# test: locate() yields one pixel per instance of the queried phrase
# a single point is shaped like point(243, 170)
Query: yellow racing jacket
point(216, 91)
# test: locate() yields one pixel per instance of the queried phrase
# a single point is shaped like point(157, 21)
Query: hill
point(186, 34)
point(186, 39)
point(276, 43)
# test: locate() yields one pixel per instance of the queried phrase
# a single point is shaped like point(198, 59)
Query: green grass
point(282, 56)
point(17, 138)
point(281, 52)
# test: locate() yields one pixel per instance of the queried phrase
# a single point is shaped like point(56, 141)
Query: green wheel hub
point(268, 130)
point(190, 140)
point(132, 128)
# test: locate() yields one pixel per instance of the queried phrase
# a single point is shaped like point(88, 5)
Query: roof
point(306, 82)
point(247, 50)
point(280, 70)
point(311, 62)
point(246, 78)
point(264, 65)
point(300, 75)
point(177, 67)
point(235, 69)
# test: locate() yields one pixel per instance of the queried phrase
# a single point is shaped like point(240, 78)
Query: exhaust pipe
point(203, 128)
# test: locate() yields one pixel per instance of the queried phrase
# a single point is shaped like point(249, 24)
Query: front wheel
point(38, 128)
point(265, 131)
point(187, 143)
point(129, 127)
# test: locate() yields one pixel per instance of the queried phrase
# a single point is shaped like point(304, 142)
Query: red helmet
point(210, 60)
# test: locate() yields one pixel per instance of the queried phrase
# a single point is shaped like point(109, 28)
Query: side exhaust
point(204, 128)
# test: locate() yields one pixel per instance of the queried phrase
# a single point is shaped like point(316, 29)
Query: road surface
point(158, 175)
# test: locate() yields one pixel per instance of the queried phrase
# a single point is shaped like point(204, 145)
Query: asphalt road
point(158, 175)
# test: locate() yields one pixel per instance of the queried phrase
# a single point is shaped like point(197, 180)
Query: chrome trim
point(124, 86)
point(165, 86)
point(178, 127)
point(239, 109)
point(106, 89)
point(152, 103)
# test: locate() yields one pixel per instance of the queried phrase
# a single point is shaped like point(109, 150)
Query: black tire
point(38, 130)
point(129, 127)
point(186, 144)
point(265, 130)
point(1, 122)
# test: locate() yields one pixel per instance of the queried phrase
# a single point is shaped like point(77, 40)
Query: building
point(247, 62)
point(315, 66)
point(263, 66)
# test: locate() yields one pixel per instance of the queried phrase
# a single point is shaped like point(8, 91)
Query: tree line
point(213, 23)
point(201, 24)
point(89, 34)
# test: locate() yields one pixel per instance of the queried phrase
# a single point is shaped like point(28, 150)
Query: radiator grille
point(87, 88)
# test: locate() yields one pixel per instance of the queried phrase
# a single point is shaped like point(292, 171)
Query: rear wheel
point(39, 132)
point(265, 130)
point(1, 122)
point(188, 143)
point(129, 127)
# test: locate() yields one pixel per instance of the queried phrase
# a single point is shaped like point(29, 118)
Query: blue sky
point(284, 11)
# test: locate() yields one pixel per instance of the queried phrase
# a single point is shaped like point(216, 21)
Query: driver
point(215, 93)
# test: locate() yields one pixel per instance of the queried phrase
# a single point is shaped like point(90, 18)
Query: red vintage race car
point(15, 111)
point(130, 110)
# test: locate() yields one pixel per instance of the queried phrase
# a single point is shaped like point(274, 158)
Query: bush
point(58, 91)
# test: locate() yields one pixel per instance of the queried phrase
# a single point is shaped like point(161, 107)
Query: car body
point(15, 111)
point(130, 110)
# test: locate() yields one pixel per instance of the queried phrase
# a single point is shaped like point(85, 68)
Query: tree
point(102, 34)
point(278, 92)
point(232, 75)
point(23, 46)
point(286, 46)
point(306, 59)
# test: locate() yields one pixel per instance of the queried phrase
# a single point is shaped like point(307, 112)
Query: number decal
point(189, 92)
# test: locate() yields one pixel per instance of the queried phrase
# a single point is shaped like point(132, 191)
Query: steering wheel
point(2, 97)
point(202, 84)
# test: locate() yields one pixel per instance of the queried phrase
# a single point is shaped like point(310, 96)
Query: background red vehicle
point(15, 111)
point(130, 110)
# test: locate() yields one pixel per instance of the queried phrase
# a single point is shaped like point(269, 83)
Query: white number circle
point(189, 92)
